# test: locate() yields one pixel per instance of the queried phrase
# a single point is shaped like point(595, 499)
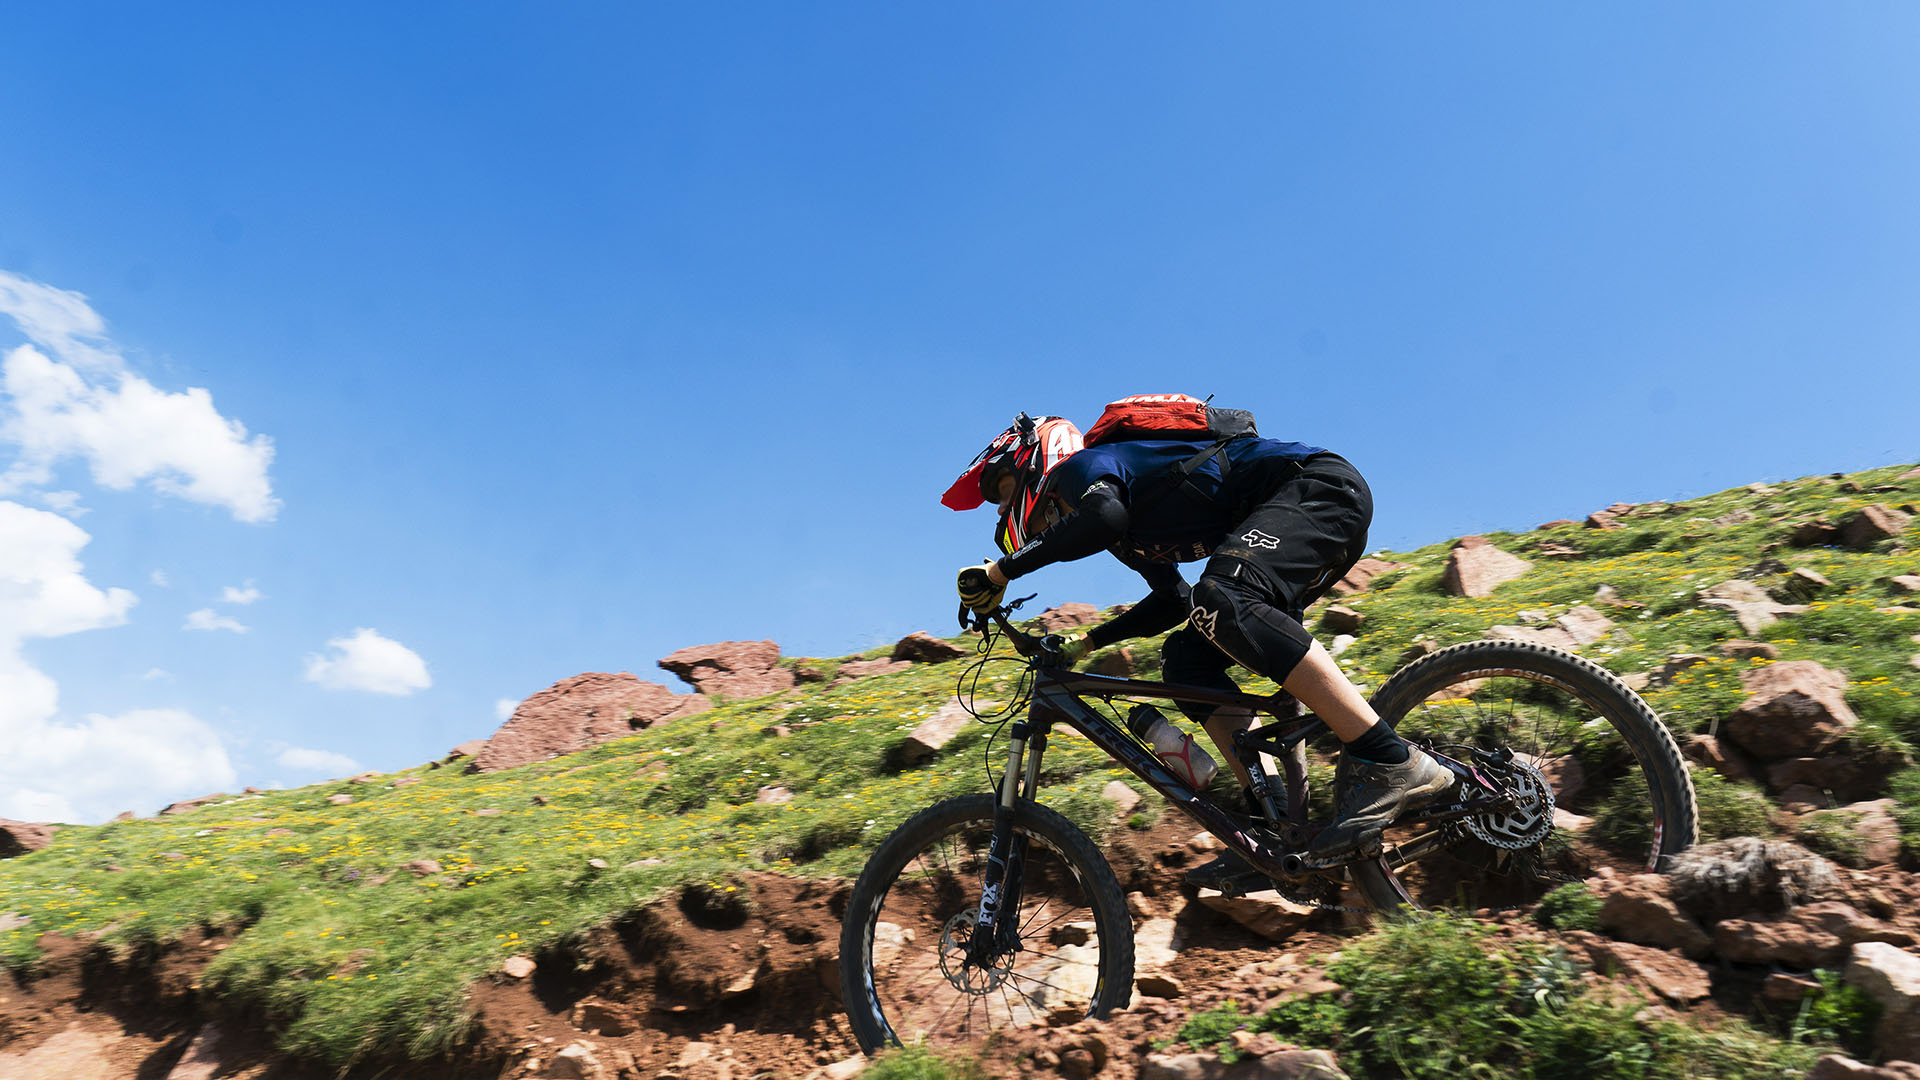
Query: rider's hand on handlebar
point(1073, 648)
point(978, 592)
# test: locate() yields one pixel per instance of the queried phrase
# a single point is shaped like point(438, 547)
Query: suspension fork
point(997, 931)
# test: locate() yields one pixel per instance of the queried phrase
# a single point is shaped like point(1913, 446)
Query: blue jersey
point(1186, 522)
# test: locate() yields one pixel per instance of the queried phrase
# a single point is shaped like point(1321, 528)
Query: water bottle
point(1174, 747)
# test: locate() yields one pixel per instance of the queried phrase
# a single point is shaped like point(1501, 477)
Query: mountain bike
point(992, 910)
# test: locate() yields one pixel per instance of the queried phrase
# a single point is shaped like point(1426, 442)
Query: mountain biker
point(1277, 523)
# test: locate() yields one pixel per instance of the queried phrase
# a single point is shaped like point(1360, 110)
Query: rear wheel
point(1598, 778)
point(904, 942)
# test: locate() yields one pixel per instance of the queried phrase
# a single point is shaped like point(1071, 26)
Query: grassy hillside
point(342, 947)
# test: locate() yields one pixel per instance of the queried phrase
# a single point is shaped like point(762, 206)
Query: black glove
point(978, 593)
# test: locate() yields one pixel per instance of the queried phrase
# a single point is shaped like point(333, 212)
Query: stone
point(1675, 978)
point(1746, 875)
point(1581, 626)
point(203, 1060)
point(1751, 607)
point(1475, 567)
point(772, 795)
point(1718, 756)
point(1115, 663)
point(736, 669)
point(470, 748)
point(1554, 524)
point(1554, 549)
point(1158, 984)
point(1360, 578)
point(844, 1069)
point(1068, 617)
point(867, 669)
point(938, 730)
point(1266, 913)
point(576, 1061)
point(1124, 799)
point(1299, 1065)
point(518, 967)
point(187, 806)
point(21, 837)
point(1640, 909)
point(1796, 708)
point(578, 712)
point(598, 1016)
point(1787, 943)
point(1842, 1067)
point(1789, 988)
point(339, 800)
point(1849, 775)
point(1869, 525)
point(1906, 584)
point(1802, 585)
point(1341, 619)
point(1813, 534)
point(1608, 595)
point(921, 647)
point(1741, 649)
point(1674, 665)
point(423, 867)
point(405, 781)
point(1181, 1067)
point(1891, 976)
point(1341, 643)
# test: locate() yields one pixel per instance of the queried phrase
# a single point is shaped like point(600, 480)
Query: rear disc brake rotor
point(1530, 819)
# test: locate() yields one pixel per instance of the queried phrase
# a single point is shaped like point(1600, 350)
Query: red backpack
point(1168, 416)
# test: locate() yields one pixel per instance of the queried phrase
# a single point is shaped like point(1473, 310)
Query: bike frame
point(1056, 700)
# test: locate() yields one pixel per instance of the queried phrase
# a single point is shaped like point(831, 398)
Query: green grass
point(340, 950)
point(1570, 907)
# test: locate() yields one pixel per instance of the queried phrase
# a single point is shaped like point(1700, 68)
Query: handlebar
point(1028, 645)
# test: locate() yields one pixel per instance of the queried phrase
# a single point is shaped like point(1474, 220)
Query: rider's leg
point(1189, 659)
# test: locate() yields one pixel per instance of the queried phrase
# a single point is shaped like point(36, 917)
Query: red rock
point(1740, 649)
point(866, 669)
point(1797, 708)
point(1554, 524)
point(1675, 978)
point(470, 748)
point(187, 806)
point(1754, 609)
point(923, 648)
point(1117, 663)
point(1475, 567)
point(21, 837)
point(1849, 775)
point(1716, 755)
point(737, 669)
point(1842, 1067)
point(1872, 823)
point(936, 731)
point(1640, 909)
point(1905, 583)
point(1600, 519)
point(1814, 534)
point(1791, 944)
point(1360, 578)
point(1871, 524)
point(1341, 619)
point(579, 712)
point(1891, 977)
point(1268, 914)
point(1068, 616)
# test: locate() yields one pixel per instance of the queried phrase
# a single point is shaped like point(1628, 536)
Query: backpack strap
point(1181, 475)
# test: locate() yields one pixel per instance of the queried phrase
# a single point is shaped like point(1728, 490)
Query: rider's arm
point(1098, 520)
point(1164, 608)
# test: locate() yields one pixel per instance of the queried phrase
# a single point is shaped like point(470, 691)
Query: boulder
point(1640, 909)
point(938, 730)
point(1124, 799)
point(1814, 534)
point(1360, 578)
point(1905, 584)
point(1117, 663)
point(1555, 549)
point(1849, 774)
point(1297, 1064)
point(921, 647)
point(1718, 756)
point(1266, 913)
point(1068, 616)
point(20, 837)
point(1475, 567)
point(1802, 585)
point(1341, 619)
point(1675, 978)
point(1674, 665)
point(469, 749)
point(1580, 626)
point(1796, 709)
point(187, 806)
point(1753, 608)
point(1741, 649)
point(576, 713)
point(1891, 977)
point(1870, 823)
point(1842, 1067)
point(867, 669)
point(1869, 525)
point(737, 669)
point(1788, 943)
point(1745, 875)
point(576, 1061)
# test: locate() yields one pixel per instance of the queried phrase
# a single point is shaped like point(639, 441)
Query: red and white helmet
point(1027, 451)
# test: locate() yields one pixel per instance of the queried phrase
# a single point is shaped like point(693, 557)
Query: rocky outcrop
point(579, 712)
point(1745, 876)
point(1871, 524)
point(936, 731)
point(1870, 829)
point(1891, 977)
point(1360, 578)
point(921, 647)
point(1068, 616)
point(1581, 626)
point(1640, 909)
point(867, 669)
point(735, 669)
point(1795, 709)
point(1475, 567)
point(1750, 605)
point(1675, 978)
point(20, 837)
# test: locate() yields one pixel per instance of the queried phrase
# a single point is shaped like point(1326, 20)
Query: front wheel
point(904, 972)
point(1598, 779)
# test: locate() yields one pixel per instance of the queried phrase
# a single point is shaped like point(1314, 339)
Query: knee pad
point(1248, 628)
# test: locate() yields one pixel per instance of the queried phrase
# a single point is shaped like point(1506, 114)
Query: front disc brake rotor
point(955, 939)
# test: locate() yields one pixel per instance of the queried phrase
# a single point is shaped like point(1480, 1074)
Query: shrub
point(920, 1063)
point(1570, 907)
point(1729, 809)
point(1835, 834)
point(1838, 1015)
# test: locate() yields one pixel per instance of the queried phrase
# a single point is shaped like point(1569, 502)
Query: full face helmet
point(1027, 451)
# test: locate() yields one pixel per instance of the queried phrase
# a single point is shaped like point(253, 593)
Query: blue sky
point(563, 337)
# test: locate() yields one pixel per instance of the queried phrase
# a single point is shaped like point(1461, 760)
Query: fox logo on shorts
point(1261, 540)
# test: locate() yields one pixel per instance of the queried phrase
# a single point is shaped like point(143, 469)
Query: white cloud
point(319, 761)
point(208, 619)
point(160, 579)
point(157, 673)
point(88, 770)
point(64, 503)
point(503, 708)
point(231, 595)
point(366, 661)
point(81, 402)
